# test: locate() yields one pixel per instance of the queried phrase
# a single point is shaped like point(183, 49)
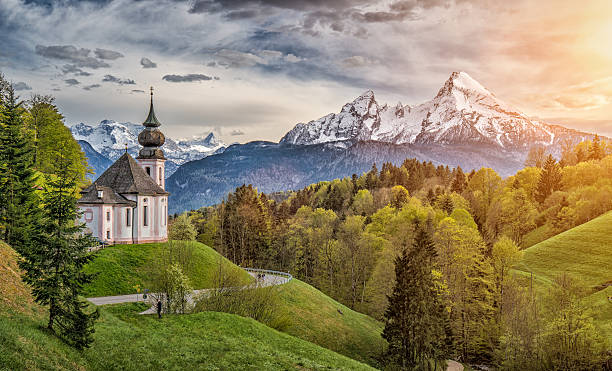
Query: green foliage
point(54, 259)
point(550, 180)
point(181, 229)
point(19, 204)
point(415, 317)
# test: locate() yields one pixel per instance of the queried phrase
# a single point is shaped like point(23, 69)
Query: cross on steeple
point(151, 91)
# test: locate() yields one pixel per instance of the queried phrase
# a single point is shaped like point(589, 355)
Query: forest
point(361, 239)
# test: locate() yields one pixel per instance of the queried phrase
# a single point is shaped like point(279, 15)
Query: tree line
point(42, 170)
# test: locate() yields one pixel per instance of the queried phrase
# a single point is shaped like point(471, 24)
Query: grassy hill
point(320, 319)
point(126, 340)
point(583, 252)
point(120, 268)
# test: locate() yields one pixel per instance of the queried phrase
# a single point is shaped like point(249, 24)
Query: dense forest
point(348, 237)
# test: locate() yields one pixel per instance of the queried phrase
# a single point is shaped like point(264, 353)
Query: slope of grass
point(120, 268)
point(126, 340)
point(585, 254)
point(320, 319)
point(537, 235)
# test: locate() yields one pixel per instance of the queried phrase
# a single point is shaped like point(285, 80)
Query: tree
point(399, 195)
point(363, 203)
point(415, 317)
point(536, 156)
point(550, 180)
point(505, 254)
point(459, 183)
point(18, 200)
point(55, 256)
point(596, 151)
point(176, 289)
point(182, 229)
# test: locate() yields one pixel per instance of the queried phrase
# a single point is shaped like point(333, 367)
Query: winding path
point(269, 278)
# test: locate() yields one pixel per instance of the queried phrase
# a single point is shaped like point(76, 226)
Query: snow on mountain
point(110, 138)
point(462, 112)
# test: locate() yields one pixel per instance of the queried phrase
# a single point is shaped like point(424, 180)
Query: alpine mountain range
point(463, 125)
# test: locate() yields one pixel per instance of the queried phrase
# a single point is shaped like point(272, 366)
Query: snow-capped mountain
point(462, 112)
point(110, 138)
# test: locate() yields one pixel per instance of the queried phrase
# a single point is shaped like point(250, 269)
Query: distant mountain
point(462, 112)
point(98, 162)
point(463, 125)
point(109, 138)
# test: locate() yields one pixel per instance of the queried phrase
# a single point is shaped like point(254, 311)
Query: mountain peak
point(462, 81)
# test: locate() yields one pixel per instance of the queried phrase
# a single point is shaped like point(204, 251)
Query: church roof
point(126, 176)
point(90, 196)
point(151, 120)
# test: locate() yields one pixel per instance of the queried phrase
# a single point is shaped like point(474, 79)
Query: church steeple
point(151, 120)
point(151, 138)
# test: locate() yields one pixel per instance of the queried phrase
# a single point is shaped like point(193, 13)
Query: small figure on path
point(159, 307)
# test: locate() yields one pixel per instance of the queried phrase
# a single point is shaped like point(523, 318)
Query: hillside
point(583, 252)
point(120, 268)
point(320, 319)
point(126, 340)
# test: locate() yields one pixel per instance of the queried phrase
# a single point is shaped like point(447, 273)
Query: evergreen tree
point(54, 259)
point(459, 182)
point(416, 321)
point(596, 151)
point(18, 200)
point(550, 180)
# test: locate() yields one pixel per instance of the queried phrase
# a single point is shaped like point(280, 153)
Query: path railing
point(288, 277)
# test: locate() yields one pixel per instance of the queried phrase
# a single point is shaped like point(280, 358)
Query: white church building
point(128, 203)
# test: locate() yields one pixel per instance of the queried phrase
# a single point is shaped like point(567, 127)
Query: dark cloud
point(237, 132)
point(71, 68)
point(72, 82)
point(147, 63)
point(21, 86)
point(93, 86)
point(214, 6)
point(137, 91)
point(107, 54)
point(117, 80)
point(189, 78)
point(79, 57)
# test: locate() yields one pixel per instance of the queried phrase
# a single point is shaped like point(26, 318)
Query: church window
point(108, 216)
point(165, 215)
point(128, 217)
point(159, 171)
point(108, 235)
point(148, 170)
point(145, 215)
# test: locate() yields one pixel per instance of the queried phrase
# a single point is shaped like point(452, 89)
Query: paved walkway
point(267, 280)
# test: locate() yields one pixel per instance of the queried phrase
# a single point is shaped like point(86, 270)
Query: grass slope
point(320, 319)
point(120, 268)
point(584, 253)
point(126, 340)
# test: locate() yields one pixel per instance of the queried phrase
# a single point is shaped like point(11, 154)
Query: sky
point(252, 69)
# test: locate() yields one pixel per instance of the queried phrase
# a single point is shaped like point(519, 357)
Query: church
point(128, 203)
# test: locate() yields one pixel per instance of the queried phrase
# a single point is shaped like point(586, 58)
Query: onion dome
point(151, 138)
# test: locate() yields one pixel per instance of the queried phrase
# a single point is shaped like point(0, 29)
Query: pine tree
point(459, 182)
point(550, 180)
point(55, 256)
point(416, 320)
point(18, 199)
point(596, 151)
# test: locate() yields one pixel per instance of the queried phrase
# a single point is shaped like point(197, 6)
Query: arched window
point(148, 169)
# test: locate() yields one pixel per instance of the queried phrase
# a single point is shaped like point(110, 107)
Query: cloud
point(21, 86)
point(137, 91)
point(72, 82)
point(93, 86)
point(71, 68)
point(107, 54)
point(236, 132)
point(147, 63)
point(117, 80)
point(80, 57)
point(189, 78)
point(356, 61)
point(237, 59)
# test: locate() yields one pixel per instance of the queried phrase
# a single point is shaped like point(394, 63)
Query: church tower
point(151, 157)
